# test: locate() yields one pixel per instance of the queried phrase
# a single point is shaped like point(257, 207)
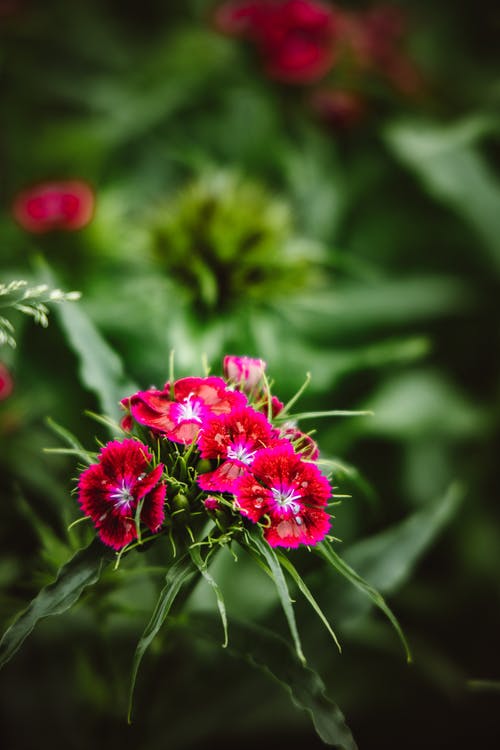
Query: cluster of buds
point(201, 448)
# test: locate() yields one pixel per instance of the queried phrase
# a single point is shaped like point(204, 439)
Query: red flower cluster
point(302, 41)
point(296, 39)
point(66, 205)
point(264, 472)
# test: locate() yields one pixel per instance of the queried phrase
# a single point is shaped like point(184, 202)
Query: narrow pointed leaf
point(388, 558)
point(83, 570)
point(271, 654)
point(305, 591)
point(76, 447)
point(101, 370)
point(272, 561)
point(177, 576)
point(203, 568)
point(327, 552)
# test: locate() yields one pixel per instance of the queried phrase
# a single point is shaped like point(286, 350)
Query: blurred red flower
point(295, 38)
point(6, 382)
point(66, 205)
point(338, 109)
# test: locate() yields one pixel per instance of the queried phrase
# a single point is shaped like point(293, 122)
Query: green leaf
point(84, 569)
point(270, 653)
point(76, 448)
point(272, 561)
point(326, 551)
point(305, 591)
point(447, 161)
point(178, 575)
point(203, 568)
point(387, 559)
point(101, 370)
point(360, 306)
point(421, 403)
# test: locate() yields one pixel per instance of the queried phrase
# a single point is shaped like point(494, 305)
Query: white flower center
point(189, 411)
point(122, 496)
point(241, 453)
point(286, 499)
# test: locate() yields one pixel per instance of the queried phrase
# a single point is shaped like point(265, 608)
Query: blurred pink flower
point(6, 382)
point(65, 205)
point(295, 38)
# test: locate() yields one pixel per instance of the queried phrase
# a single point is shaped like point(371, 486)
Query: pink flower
point(65, 205)
point(6, 382)
point(234, 439)
point(110, 491)
point(296, 38)
point(180, 418)
point(245, 373)
point(291, 492)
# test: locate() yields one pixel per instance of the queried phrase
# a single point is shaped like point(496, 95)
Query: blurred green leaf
point(327, 552)
point(178, 575)
point(268, 554)
point(101, 370)
point(388, 559)
point(351, 307)
point(453, 170)
point(269, 652)
point(83, 570)
point(423, 402)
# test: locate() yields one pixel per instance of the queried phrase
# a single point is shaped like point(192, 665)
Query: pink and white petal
point(185, 432)
point(224, 478)
point(251, 498)
point(145, 484)
point(308, 527)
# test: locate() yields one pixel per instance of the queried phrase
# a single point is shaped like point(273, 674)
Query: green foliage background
point(369, 257)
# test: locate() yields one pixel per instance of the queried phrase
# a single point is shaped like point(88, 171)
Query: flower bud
point(180, 502)
point(245, 372)
point(211, 502)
